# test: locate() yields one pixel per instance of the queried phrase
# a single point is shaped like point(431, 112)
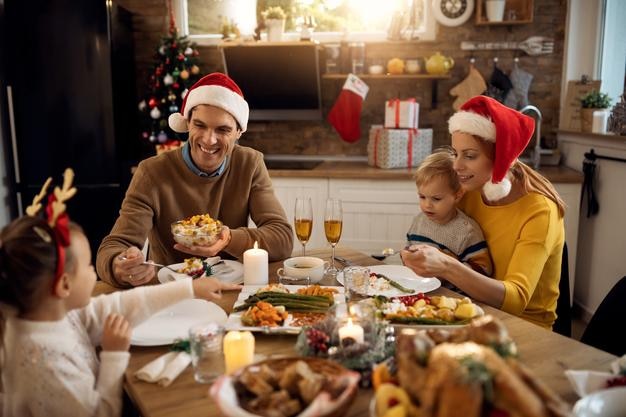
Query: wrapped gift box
point(398, 148)
point(401, 114)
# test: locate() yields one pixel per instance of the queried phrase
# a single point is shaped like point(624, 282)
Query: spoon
point(384, 254)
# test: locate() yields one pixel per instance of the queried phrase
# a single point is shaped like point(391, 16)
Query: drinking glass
point(303, 220)
point(207, 357)
point(333, 222)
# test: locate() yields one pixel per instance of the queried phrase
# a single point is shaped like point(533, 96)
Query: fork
point(534, 45)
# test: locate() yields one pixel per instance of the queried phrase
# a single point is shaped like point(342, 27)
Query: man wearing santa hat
point(210, 174)
point(520, 212)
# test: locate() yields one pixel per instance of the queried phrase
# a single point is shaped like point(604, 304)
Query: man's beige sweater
point(164, 190)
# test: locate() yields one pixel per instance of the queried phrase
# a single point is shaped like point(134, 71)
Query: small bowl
point(200, 230)
point(610, 402)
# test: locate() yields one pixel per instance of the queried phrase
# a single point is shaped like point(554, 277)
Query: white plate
point(233, 277)
point(610, 402)
point(174, 322)
point(403, 276)
point(234, 319)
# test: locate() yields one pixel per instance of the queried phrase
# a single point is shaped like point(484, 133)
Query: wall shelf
point(516, 12)
point(433, 78)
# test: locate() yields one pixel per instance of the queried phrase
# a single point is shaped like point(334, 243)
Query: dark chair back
point(563, 323)
point(602, 331)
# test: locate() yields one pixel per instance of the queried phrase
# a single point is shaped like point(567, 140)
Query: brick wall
point(318, 138)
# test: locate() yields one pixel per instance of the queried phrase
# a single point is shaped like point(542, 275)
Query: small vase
point(275, 29)
point(586, 119)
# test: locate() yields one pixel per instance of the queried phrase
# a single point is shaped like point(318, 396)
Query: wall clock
point(452, 12)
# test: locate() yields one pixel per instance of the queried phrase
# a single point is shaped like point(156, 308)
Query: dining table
point(546, 353)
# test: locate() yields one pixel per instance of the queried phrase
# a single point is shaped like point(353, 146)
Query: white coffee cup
point(495, 10)
point(304, 266)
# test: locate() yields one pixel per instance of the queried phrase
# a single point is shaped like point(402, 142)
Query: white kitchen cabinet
point(288, 189)
point(376, 213)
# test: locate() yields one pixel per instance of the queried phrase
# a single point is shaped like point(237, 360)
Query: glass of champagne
point(303, 220)
point(333, 222)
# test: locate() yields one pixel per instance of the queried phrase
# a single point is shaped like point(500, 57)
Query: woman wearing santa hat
point(210, 174)
point(520, 212)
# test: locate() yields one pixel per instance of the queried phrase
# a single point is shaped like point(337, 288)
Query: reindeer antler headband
point(56, 216)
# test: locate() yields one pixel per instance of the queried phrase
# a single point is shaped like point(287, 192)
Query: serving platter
point(289, 326)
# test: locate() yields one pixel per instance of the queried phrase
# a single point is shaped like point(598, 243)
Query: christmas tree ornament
point(175, 86)
point(195, 52)
point(184, 74)
point(158, 71)
point(152, 138)
point(155, 113)
point(173, 108)
point(162, 50)
point(180, 57)
point(168, 79)
point(171, 97)
point(188, 51)
point(142, 105)
point(163, 124)
point(163, 101)
point(473, 85)
point(167, 61)
point(145, 135)
point(175, 73)
point(195, 69)
point(174, 45)
point(162, 137)
point(345, 115)
point(152, 102)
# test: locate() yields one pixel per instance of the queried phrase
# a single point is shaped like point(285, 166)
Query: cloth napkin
point(164, 369)
point(585, 382)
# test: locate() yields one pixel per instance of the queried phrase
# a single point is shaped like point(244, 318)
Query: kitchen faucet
point(536, 157)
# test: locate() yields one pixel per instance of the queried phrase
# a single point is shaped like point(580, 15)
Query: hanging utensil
point(535, 45)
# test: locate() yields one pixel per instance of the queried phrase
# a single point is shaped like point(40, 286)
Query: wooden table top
point(548, 354)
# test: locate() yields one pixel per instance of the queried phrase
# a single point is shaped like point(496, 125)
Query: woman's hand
point(128, 267)
point(211, 288)
point(116, 333)
point(208, 251)
point(426, 260)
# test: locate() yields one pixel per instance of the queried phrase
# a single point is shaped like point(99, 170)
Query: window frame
point(428, 34)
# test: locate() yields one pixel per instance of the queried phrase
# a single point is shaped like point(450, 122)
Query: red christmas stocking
point(345, 116)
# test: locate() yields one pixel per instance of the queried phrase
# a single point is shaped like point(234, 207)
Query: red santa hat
point(217, 90)
point(508, 129)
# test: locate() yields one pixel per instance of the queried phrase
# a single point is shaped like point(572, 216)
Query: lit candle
point(255, 266)
point(238, 350)
point(353, 331)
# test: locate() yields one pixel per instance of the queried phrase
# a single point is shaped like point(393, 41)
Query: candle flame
point(350, 322)
point(256, 245)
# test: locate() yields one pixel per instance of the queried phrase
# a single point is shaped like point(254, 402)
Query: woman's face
point(473, 160)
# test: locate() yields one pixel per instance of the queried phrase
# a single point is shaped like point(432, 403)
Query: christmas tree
point(174, 71)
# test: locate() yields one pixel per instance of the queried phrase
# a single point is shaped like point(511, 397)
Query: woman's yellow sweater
point(525, 239)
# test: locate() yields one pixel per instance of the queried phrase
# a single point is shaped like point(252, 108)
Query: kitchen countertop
point(360, 170)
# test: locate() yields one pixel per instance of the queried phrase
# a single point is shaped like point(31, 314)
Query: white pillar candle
point(255, 266)
point(351, 330)
point(238, 350)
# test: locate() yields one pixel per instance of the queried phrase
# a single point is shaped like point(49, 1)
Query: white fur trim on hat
point(213, 95)
point(495, 192)
point(472, 123)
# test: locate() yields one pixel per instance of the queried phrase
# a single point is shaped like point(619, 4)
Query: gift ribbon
point(376, 138)
point(396, 104)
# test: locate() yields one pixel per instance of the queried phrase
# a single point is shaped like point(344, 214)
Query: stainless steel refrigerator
point(69, 100)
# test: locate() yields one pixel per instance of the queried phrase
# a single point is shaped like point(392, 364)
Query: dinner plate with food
point(396, 280)
point(427, 311)
point(278, 308)
point(223, 269)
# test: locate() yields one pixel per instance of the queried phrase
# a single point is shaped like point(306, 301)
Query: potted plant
point(275, 22)
point(592, 101)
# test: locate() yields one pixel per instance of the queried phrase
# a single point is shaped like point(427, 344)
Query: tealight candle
point(238, 350)
point(255, 266)
point(353, 331)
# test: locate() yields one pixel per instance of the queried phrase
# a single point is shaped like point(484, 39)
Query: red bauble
point(152, 102)
point(158, 71)
point(176, 86)
point(167, 61)
point(180, 57)
point(174, 46)
point(195, 52)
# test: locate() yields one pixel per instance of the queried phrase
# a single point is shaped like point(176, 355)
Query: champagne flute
point(333, 222)
point(303, 220)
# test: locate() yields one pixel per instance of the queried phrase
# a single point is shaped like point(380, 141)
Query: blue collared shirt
point(198, 171)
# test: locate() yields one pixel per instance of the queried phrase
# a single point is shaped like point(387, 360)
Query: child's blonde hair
point(439, 164)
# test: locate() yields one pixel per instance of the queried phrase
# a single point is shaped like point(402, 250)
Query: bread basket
point(224, 394)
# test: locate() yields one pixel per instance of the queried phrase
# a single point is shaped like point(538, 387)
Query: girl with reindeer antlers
point(51, 325)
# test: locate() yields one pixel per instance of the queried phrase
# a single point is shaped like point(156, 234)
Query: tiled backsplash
point(319, 138)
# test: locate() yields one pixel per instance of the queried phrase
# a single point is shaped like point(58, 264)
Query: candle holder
point(352, 336)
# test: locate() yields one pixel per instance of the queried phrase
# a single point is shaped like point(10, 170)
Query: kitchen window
point(204, 21)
